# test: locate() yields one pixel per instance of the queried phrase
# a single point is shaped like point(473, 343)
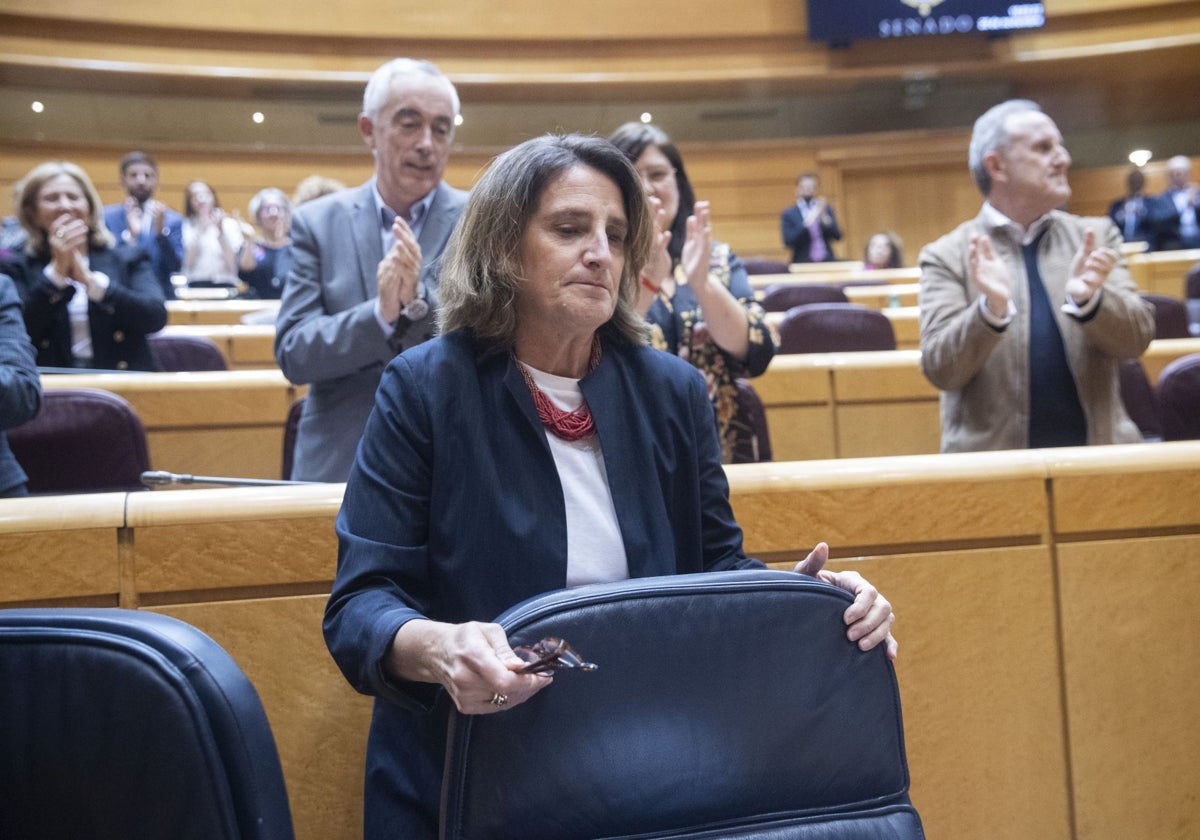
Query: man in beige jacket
point(1026, 310)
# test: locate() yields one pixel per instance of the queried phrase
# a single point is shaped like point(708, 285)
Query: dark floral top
point(677, 326)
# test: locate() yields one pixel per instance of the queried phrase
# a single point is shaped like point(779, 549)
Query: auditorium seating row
point(835, 405)
point(1043, 602)
point(1157, 272)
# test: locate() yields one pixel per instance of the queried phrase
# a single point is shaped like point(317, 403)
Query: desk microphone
point(162, 478)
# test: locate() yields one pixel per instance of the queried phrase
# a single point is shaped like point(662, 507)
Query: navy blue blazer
point(20, 386)
point(165, 249)
point(454, 511)
point(132, 308)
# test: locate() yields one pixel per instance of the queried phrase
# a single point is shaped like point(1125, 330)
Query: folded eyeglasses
point(551, 654)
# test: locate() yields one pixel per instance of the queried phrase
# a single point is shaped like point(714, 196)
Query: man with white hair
point(1180, 229)
point(363, 286)
point(1026, 310)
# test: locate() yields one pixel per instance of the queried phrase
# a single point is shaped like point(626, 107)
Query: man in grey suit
point(364, 284)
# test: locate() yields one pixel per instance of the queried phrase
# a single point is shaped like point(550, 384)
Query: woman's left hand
point(870, 617)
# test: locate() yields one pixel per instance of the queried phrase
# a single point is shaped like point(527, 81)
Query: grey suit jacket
point(326, 334)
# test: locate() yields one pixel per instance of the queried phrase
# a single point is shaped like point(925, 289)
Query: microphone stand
point(162, 478)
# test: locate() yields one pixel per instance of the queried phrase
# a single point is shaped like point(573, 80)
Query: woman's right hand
point(68, 237)
point(472, 661)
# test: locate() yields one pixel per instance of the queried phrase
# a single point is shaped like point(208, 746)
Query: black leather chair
point(1170, 316)
point(753, 443)
point(726, 705)
point(782, 297)
point(1139, 398)
point(1178, 393)
point(835, 328)
point(83, 440)
point(178, 352)
point(133, 726)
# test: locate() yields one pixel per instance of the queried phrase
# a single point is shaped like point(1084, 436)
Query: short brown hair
point(481, 272)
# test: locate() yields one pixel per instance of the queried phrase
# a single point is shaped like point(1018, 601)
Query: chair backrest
point(759, 265)
point(1179, 398)
point(835, 328)
point(83, 440)
point(176, 352)
point(290, 429)
point(1170, 316)
point(120, 723)
point(1191, 283)
point(753, 438)
point(781, 298)
point(1141, 403)
point(727, 704)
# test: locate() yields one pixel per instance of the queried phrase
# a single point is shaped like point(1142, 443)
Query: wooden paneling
point(320, 723)
point(1134, 754)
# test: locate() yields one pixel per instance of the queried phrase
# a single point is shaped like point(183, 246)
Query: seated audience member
point(211, 240)
point(1181, 227)
point(90, 301)
point(883, 251)
point(1026, 310)
point(265, 260)
point(810, 226)
point(20, 385)
point(143, 220)
point(539, 415)
point(315, 186)
point(695, 292)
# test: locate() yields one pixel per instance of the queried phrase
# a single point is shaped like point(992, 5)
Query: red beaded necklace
point(567, 425)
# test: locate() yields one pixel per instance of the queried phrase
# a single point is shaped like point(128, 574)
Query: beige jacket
point(984, 373)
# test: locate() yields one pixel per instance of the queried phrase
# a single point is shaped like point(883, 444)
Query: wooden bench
point(1036, 591)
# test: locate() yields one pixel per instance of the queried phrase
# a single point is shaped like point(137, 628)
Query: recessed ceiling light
point(37, 107)
point(646, 116)
point(258, 117)
point(1140, 157)
point(458, 119)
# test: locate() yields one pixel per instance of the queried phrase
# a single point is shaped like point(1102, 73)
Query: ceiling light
point(37, 107)
point(646, 117)
point(258, 117)
point(1140, 157)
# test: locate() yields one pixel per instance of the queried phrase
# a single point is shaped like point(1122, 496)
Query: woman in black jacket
point(89, 303)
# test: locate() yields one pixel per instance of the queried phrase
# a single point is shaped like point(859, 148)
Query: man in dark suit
point(1136, 214)
point(143, 220)
point(809, 226)
point(20, 386)
point(364, 283)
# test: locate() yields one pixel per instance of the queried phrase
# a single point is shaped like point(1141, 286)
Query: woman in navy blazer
point(537, 443)
point(20, 386)
point(87, 303)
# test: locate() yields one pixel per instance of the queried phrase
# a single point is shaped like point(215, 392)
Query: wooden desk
point(884, 296)
point(219, 423)
point(856, 405)
point(190, 312)
point(878, 277)
point(1163, 272)
point(1036, 593)
point(905, 322)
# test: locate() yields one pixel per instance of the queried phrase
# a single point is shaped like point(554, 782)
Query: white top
point(595, 551)
point(209, 262)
